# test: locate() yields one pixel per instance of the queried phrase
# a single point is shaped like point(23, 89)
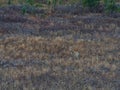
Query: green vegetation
point(30, 2)
point(53, 3)
point(91, 4)
point(109, 5)
point(9, 2)
point(24, 9)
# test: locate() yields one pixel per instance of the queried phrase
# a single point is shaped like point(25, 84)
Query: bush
point(9, 2)
point(25, 7)
point(110, 6)
point(30, 2)
point(53, 3)
point(91, 4)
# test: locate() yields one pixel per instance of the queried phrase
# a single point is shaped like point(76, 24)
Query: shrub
point(24, 9)
point(9, 2)
point(91, 4)
point(110, 6)
point(30, 2)
point(53, 3)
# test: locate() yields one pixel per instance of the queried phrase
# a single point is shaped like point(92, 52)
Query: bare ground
point(59, 51)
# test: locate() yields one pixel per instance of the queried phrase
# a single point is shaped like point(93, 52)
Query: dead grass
point(62, 63)
point(27, 47)
point(60, 58)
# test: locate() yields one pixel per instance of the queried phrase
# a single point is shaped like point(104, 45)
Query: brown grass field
point(31, 62)
point(59, 51)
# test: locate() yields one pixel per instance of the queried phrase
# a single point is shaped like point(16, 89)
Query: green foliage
point(30, 2)
point(91, 4)
point(24, 9)
point(27, 3)
point(38, 5)
point(53, 3)
point(110, 6)
point(118, 9)
point(73, 1)
point(9, 2)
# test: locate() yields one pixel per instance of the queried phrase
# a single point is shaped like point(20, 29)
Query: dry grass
point(74, 60)
point(60, 58)
point(28, 47)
